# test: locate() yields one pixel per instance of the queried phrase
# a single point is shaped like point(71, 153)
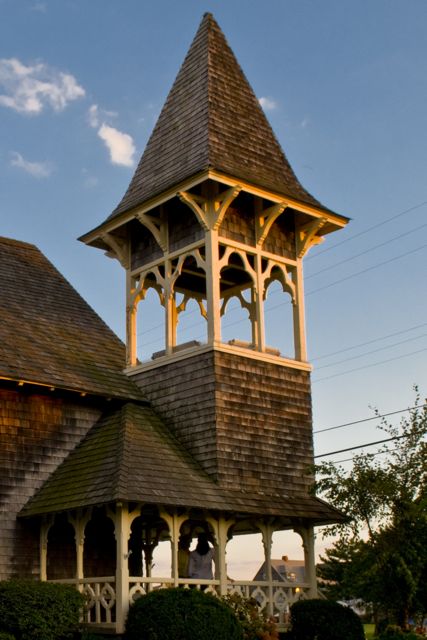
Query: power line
point(376, 453)
point(363, 344)
point(360, 446)
point(375, 266)
point(361, 233)
point(368, 353)
point(368, 366)
point(362, 253)
point(384, 415)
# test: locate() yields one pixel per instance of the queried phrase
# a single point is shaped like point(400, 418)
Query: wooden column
point(307, 535)
point(212, 287)
point(267, 540)
point(122, 531)
point(131, 346)
point(299, 315)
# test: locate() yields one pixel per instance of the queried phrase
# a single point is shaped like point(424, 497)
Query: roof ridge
point(19, 243)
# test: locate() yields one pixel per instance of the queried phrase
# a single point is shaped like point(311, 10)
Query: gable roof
point(129, 455)
point(49, 335)
point(211, 120)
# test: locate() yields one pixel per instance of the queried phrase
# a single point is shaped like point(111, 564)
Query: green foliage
point(324, 620)
point(254, 622)
point(39, 610)
point(380, 556)
point(394, 632)
point(6, 636)
point(181, 614)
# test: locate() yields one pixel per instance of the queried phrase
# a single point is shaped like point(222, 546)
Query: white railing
point(100, 611)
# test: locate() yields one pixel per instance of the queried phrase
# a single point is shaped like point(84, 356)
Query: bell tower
point(213, 212)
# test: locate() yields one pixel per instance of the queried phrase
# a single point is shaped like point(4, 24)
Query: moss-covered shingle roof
point(49, 335)
point(129, 455)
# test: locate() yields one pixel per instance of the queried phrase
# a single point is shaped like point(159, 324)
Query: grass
point(369, 631)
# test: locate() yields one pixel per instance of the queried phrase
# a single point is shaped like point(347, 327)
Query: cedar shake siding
point(247, 422)
point(37, 432)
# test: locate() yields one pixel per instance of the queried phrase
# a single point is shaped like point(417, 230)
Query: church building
point(105, 454)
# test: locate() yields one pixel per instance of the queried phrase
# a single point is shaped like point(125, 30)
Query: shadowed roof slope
point(129, 455)
point(212, 119)
point(49, 335)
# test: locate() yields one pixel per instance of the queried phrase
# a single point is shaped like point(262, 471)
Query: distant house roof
point(129, 455)
point(286, 570)
point(212, 120)
point(49, 335)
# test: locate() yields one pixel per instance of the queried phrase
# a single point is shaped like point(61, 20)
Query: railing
point(100, 611)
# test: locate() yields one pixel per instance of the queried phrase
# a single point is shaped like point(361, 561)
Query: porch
point(107, 554)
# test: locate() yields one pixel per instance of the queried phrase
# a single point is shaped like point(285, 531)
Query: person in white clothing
point(200, 563)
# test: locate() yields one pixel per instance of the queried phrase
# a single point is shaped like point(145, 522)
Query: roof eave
point(334, 221)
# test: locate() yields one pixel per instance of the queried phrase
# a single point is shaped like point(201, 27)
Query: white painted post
point(212, 287)
point(221, 557)
point(299, 315)
point(267, 540)
point(122, 531)
point(131, 346)
point(307, 535)
point(44, 530)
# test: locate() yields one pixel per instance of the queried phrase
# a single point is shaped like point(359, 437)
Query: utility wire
point(360, 446)
point(376, 453)
point(368, 353)
point(363, 344)
point(368, 366)
point(384, 415)
point(358, 273)
point(361, 233)
point(362, 253)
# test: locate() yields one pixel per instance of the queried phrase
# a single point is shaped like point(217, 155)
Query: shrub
point(324, 620)
point(39, 610)
point(393, 632)
point(6, 636)
point(181, 614)
point(254, 622)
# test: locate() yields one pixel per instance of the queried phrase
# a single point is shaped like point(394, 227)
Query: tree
point(380, 554)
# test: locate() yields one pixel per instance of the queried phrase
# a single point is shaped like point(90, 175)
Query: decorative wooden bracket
point(119, 249)
point(306, 236)
point(210, 212)
point(158, 228)
point(266, 219)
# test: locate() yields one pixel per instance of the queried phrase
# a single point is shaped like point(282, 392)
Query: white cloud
point(36, 169)
point(93, 116)
point(268, 104)
point(120, 145)
point(28, 89)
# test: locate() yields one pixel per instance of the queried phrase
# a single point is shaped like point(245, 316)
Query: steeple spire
point(212, 120)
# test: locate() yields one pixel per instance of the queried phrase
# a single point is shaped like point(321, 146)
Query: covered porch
point(107, 553)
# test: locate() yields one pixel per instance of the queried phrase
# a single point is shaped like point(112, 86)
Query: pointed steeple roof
point(212, 120)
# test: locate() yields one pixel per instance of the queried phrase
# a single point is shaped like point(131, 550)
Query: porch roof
point(130, 455)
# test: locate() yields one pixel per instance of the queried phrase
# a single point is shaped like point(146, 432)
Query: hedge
point(181, 614)
point(324, 620)
point(32, 610)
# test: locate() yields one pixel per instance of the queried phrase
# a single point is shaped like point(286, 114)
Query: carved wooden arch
point(287, 284)
point(225, 261)
point(140, 291)
point(243, 303)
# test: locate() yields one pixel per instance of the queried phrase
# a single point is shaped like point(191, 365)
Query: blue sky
point(344, 85)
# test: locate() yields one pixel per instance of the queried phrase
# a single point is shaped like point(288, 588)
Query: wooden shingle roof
point(129, 455)
point(212, 120)
point(49, 335)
